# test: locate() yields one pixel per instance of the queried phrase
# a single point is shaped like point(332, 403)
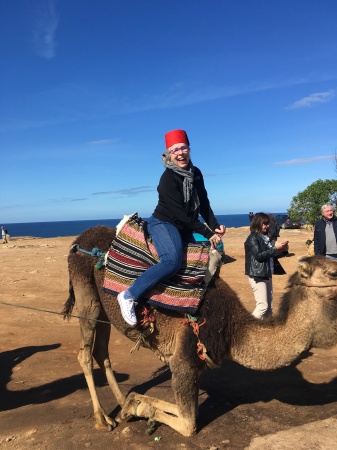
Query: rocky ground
point(45, 403)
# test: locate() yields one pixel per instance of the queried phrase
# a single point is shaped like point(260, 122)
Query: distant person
point(4, 235)
point(259, 254)
point(273, 229)
point(251, 215)
point(182, 197)
point(325, 234)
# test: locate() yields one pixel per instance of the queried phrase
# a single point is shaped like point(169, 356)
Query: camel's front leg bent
point(181, 416)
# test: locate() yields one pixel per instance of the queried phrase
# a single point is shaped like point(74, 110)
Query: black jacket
point(319, 235)
point(257, 257)
point(171, 207)
point(273, 230)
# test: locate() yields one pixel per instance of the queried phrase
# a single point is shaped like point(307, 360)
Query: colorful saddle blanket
point(132, 252)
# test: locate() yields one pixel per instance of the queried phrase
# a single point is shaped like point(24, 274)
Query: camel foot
point(137, 405)
point(105, 423)
point(129, 408)
point(106, 427)
point(133, 407)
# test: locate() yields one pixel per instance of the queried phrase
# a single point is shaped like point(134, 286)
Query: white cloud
point(103, 142)
point(181, 94)
point(302, 160)
point(44, 34)
point(310, 100)
point(128, 192)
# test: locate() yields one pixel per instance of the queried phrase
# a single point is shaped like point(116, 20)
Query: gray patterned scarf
point(189, 192)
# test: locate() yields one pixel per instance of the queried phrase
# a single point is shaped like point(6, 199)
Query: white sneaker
point(127, 306)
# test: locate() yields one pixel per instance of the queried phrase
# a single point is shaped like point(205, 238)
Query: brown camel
point(307, 318)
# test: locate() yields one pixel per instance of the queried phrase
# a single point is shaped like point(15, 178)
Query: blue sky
point(88, 90)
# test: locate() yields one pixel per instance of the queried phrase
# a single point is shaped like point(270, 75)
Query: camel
point(310, 247)
point(307, 317)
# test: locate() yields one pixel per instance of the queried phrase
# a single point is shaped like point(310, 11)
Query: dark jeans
point(169, 246)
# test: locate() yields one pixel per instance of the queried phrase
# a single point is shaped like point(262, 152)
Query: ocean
point(76, 227)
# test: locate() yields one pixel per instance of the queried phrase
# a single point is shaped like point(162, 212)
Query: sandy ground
point(45, 404)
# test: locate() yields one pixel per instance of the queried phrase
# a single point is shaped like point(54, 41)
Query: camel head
point(315, 285)
point(317, 271)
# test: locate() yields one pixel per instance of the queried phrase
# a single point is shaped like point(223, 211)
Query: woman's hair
point(258, 220)
point(166, 157)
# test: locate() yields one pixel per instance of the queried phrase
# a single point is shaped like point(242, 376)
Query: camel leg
point(180, 416)
point(89, 307)
point(101, 355)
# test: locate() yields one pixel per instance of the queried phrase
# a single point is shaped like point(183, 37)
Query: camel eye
point(333, 274)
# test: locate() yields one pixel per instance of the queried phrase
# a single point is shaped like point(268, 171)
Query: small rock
point(126, 431)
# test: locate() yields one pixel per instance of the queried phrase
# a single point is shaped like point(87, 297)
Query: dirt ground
point(44, 400)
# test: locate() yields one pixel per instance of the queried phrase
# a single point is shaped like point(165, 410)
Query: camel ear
point(304, 269)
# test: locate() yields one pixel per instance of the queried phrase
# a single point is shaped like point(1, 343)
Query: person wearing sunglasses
point(182, 198)
point(259, 254)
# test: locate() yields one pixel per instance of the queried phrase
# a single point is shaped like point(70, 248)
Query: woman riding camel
point(182, 197)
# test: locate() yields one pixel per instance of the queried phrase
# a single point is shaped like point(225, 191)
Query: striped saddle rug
point(132, 252)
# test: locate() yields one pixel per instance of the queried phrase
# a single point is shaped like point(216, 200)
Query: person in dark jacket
point(182, 197)
point(259, 253)
point(325, 234)
point(273, 229)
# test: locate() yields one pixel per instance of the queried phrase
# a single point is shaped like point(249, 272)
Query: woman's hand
point(215, 240)
point(282, 246)
point(221, 230)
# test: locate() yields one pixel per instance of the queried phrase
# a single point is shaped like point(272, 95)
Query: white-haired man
point(325, 234)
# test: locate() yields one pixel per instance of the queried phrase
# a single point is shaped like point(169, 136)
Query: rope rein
point(315, 285)
point(94, 252)
point(201, 349)
point(147, 324)
point(53, 312)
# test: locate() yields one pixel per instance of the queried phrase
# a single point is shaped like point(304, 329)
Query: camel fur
point(307, 318)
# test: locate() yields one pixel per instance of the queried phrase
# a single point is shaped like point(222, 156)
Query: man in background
point(325, 234)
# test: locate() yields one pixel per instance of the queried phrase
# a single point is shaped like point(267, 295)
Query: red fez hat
point(176, 137)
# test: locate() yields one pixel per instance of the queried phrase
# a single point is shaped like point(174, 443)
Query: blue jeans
point(169, 246)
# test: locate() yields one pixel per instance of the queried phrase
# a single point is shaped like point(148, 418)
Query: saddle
point(132, 252)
